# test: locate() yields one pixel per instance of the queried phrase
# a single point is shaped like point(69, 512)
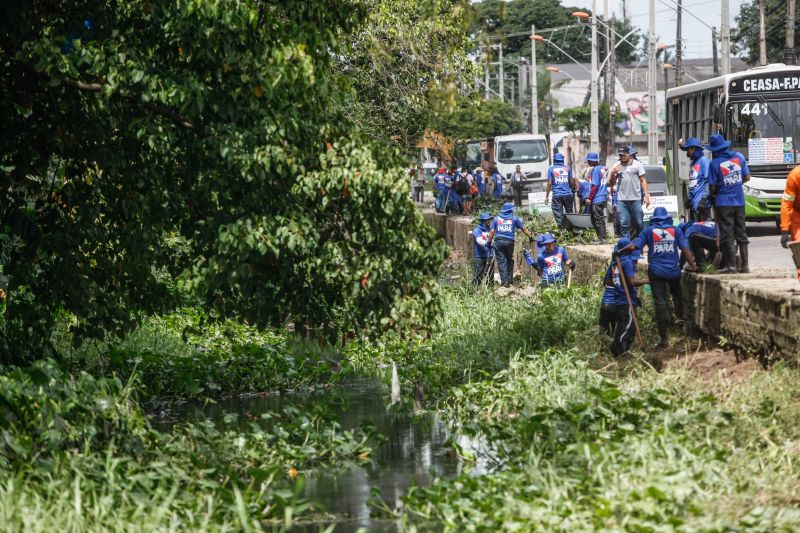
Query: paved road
point(765, 247)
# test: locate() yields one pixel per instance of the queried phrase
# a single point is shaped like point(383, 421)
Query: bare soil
point(706, 362)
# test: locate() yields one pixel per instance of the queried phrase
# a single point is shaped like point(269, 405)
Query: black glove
point(572, 266)
point(687, 204)
point(614, 254)
point(785, 239)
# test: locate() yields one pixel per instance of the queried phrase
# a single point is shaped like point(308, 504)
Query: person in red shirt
point(790, 213)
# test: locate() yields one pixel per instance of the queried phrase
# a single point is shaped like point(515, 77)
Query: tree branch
point(158, 109)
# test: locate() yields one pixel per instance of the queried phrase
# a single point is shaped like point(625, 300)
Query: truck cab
point(529, 152)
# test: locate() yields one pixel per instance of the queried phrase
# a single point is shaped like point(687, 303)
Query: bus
point(759, 111)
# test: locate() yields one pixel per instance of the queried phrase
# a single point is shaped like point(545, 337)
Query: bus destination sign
point(766, 83)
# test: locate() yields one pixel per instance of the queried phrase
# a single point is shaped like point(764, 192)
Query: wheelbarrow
point(577, 222)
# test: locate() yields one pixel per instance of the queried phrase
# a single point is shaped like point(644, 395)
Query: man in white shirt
point(631, 193)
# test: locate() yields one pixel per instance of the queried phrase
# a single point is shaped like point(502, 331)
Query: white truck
point(505, 152)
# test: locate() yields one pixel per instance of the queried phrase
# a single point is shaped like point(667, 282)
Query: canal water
point(417, 450)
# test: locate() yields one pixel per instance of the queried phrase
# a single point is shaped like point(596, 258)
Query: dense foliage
point(744, 33)
point(476, 118)
point(405, 63)
point(514, 19)
point(77, 453)
point(197, 145)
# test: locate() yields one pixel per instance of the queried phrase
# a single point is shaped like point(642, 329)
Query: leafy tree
point(512, 21)
point(196, 144)
point(579, 119)
point(473, 117)
point(744, 36)
point(405, 63)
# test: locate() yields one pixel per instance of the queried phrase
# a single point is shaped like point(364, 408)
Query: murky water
point(416, 451)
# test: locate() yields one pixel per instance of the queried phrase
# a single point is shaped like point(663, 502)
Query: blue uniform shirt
point(727, 171)
point(618, 291)
point(505, 224)
point(560, 176)
point(552, 266)
point(480, 183)
point(706, 229)
point(599, 181)
point(439, 182)
point(698, 179)
point(664, 244)
point(584, 188)
point(497, 178)
point(480, 236)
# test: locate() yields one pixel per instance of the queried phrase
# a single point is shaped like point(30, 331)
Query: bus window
point(775, 121)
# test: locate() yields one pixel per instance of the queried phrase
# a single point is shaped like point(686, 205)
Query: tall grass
point(577, 449)
point(77, 453)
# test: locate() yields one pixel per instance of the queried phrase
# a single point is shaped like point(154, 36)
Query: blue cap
point(660, 214)
point(558, 158)
point(691, 142)
point(622, 243)
point(717, 143)
point(547, 238)
point(635, 255)
point(508, 206)
point(485, 216)
point(593, 157)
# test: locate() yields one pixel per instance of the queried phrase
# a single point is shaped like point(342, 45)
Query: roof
point(634, 77)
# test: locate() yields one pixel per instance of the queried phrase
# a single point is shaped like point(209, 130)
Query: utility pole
point(612, 99)
point(788, 51)
point(679, 47)
point(725, 33)
point(714, 51)
point(608, 51)
point(512, 93)
point(502, 76)
point(534, 86)
point(762, 35)
point(625, 10)
point(486, 77)
point(595, 126)
point(652, 132)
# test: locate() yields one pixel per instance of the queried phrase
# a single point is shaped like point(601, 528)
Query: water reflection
point(416, 450)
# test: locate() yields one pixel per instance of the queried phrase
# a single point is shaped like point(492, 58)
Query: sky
point(696, 35)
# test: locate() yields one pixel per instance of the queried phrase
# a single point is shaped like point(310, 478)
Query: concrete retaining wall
point(758, 313)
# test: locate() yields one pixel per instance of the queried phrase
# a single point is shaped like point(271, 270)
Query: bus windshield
point(765, 131)
point(527, 151)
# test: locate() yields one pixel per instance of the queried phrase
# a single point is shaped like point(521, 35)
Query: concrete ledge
point(758, 313)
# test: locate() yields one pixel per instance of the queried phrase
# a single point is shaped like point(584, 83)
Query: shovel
point(631, 309)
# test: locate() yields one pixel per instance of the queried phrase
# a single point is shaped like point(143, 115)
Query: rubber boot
point(728, 258)
point(744, 266)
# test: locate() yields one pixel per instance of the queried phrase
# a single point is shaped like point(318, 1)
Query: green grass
point(188, 355)
point(578, 445)
point(77, 452)
point(576, 441)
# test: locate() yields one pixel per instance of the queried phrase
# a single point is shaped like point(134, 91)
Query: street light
point(559, 71)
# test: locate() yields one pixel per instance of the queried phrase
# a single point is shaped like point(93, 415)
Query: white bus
point(759, 111)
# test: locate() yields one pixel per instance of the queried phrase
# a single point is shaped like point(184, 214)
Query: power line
point(688, 12)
